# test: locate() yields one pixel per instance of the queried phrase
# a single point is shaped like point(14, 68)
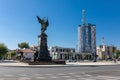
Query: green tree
point(23, 45)
point(13, 54)
point(117, 53)
point(10, 55)
point(3, 50)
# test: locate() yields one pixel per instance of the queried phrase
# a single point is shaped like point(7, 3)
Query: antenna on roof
point(83, 17)
point(103, 41)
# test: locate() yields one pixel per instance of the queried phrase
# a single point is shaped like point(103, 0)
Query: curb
point(25, 65)
point(55, 66)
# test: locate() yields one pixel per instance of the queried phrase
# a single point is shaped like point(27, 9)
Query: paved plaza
point(61, 73)
point(12, 70)
point(58, 76)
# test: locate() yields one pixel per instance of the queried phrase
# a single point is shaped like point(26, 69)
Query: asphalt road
point(61, 73)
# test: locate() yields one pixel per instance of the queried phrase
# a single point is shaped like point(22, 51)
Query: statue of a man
point(44, 23)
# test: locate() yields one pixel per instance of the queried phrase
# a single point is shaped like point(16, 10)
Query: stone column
point(43, 53)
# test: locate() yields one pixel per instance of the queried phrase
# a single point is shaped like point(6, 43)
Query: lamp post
point(115, 55)
point(95, 57)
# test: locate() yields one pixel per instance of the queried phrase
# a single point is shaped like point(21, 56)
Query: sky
point(18, 22)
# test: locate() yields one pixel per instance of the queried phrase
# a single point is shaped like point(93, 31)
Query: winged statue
point(44, 23)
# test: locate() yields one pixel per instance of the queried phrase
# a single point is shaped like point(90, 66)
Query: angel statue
point(44, 23)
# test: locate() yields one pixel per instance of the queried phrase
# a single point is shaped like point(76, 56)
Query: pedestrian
point(114, 60)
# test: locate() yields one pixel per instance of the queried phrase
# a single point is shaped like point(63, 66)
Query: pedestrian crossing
point(57, 76)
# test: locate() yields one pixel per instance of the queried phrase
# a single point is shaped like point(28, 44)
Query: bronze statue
point(42, 53)
point(44, 23)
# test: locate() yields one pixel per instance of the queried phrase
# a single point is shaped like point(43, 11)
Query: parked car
point(71, 60)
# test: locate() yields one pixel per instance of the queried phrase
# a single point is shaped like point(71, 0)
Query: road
point(61, 73)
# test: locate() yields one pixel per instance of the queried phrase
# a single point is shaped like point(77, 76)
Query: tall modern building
point(86, 37)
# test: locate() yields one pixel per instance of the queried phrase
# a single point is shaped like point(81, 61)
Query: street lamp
point(115, 55)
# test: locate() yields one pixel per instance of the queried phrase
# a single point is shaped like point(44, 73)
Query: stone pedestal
point(43, 53)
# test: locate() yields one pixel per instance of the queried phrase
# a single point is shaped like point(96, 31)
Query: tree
point(23, 45)
point(3, 50)
point(10, 55)
point(117, 53)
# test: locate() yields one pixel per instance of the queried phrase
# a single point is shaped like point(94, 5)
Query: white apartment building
point(105, 52)
point(60, 53)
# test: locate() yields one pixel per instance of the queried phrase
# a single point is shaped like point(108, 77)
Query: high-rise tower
point(86, 36)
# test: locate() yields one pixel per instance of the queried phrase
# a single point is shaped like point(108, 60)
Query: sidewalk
point(12, 63)
point(94, 63)
point(27, 65)
point(20, 64)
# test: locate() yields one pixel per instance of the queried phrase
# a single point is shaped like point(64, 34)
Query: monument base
point(43, 53)
point(56, 62)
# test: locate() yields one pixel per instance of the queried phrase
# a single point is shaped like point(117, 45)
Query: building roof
point(61, 47)
point(25, 51)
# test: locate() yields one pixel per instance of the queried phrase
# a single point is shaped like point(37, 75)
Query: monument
point(42, 56)
point(42, 53)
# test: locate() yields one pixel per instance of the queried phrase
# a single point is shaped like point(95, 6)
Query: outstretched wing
point(39, 20)
point(47, 22)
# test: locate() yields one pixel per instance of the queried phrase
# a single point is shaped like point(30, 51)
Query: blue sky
point(18, 22)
